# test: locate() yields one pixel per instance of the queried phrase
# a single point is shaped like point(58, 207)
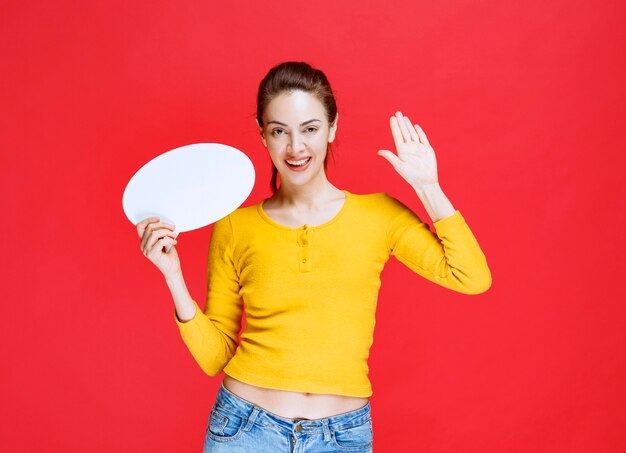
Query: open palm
point(415, 160)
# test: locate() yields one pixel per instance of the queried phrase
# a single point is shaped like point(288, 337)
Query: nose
point(297, 143)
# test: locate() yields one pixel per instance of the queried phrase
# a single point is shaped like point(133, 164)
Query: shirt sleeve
point(212, 335)
point(451, 258)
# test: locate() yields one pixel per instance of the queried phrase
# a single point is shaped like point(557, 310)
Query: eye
point(278, 132)
point(311, 129)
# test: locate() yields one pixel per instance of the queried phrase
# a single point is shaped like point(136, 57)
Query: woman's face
point(296, 133)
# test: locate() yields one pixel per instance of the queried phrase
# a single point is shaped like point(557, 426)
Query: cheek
point(276, 142)
point(324, 136)
point(321, 143)
point(275, 151)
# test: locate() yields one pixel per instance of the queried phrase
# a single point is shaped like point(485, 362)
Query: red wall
point(521, 101)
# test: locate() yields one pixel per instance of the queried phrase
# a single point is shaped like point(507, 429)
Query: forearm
point(185, 306)
point(212, 344)
point(435, 201)
point(451, 257)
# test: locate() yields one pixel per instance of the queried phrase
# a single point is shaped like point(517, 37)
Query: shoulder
point(241, 219)
point(380, 201)
point(384, 210)
point(245, 214)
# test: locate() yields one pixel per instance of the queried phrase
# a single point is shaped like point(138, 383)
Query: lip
point(300, 167)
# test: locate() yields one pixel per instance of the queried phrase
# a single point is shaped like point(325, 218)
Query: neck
point(308, 196)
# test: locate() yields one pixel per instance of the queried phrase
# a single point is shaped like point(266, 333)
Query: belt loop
point(326, 430)
point(251, 418)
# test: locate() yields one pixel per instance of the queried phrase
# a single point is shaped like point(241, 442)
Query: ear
point(333, 129)
point(261, 131)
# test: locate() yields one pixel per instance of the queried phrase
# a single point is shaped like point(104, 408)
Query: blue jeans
point(236, 425)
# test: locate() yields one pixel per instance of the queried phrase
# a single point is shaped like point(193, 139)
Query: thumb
point(391, 157)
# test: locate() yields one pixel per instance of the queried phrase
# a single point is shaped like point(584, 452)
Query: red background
point(521, 101)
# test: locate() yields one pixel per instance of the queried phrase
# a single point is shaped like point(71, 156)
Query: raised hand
point(415, 159)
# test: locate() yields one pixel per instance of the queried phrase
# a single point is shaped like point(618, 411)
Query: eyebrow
point(301, 124)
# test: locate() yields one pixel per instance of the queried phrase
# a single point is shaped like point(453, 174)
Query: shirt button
point(304, 261)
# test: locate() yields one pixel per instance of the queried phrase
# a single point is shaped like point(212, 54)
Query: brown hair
point(293, 76)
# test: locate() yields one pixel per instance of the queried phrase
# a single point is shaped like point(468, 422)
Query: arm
point(212, 335)
point(453, 257)
point(185, 306)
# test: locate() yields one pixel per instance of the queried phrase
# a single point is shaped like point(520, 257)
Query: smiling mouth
point(299, 162)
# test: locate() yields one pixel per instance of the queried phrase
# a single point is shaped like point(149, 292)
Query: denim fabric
point(236, 425)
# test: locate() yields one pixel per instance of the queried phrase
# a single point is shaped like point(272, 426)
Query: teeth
point(298, 162)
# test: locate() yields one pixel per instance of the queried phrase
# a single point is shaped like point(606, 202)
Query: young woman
point(306, 262)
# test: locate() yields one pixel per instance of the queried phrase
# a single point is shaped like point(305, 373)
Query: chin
point(299, 179)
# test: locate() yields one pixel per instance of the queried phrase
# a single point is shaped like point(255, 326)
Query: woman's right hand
point(155, 236)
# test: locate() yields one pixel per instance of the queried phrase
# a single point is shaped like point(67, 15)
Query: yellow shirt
point(310, 293)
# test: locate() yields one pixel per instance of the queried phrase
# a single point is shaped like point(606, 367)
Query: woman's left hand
point(415, 160)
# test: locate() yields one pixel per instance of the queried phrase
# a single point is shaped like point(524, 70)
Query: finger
point(157, 250)
point(150, 236)
point(153, 227)
point(421, 134)
point(156, 236)
point(411, 129)
point(403, 129)
point(147, 220)
point(147, 233)
point(168, 247)
point(391, 158)
point(395, 131)
point(151, 224)
point(141, 226)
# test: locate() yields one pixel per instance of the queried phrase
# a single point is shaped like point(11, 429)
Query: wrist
point(435, 201)
point(427, 189)
point(174, 278)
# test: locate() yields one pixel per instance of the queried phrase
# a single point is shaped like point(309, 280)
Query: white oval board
point(191, 186)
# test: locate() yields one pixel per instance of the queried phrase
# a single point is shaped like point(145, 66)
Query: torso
point(294, 404)
point(307, 406)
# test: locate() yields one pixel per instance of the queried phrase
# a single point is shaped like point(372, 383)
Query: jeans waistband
point(341, 421)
